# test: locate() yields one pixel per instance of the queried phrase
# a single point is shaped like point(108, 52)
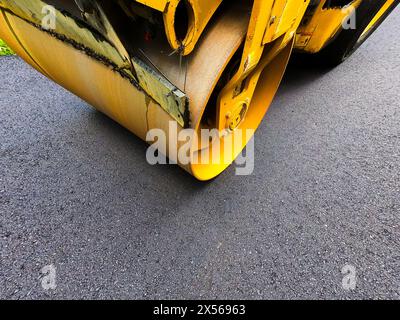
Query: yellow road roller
point(184, 67)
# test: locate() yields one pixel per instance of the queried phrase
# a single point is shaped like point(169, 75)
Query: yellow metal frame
point(199, 13)
point(273, 25)
point(244, 101)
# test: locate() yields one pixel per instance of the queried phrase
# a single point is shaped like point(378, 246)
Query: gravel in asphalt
point(76, 192)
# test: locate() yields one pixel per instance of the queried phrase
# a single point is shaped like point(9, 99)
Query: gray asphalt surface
point(76, 192)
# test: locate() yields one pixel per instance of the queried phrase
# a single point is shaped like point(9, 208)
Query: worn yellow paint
point(323, 26)
point(272, 26)
point(110, 49)
point(104, 73)
point(268, 82)
point(199, 13)
point(75, 71)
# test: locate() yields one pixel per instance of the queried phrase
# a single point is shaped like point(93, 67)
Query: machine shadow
point(302, 72)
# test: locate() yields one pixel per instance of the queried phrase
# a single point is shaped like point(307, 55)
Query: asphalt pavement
point(77, 194)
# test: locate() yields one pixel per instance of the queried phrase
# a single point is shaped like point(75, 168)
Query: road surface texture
point(77, 193)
